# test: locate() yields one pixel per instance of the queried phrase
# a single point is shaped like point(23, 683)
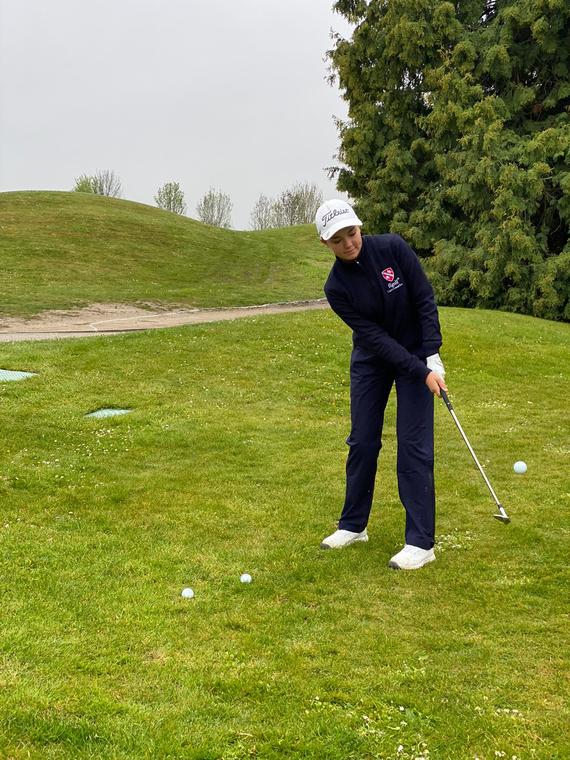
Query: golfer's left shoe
point(411, 558)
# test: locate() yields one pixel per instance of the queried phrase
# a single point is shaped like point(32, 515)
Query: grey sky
point(223, 93)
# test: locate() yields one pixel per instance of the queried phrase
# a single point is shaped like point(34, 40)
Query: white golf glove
point(435, 364)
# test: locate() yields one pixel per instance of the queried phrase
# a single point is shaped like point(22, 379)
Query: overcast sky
point(228, 94)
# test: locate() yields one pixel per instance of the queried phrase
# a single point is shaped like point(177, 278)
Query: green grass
point(232, 461)
point(70, 249)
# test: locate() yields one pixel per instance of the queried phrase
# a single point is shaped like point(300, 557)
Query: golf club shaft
point(485, 478)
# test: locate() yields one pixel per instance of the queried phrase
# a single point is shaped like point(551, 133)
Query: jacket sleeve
point(422, 296)
point(375, 338)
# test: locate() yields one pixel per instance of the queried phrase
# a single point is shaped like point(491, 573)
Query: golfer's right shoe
point(411, 558)
point(341, 538)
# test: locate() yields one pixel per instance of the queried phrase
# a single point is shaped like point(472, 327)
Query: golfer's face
point(346, 243)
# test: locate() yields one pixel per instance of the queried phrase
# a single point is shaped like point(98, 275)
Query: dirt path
point(115, 319)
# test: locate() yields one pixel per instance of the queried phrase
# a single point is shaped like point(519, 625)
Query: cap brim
point(341, 224)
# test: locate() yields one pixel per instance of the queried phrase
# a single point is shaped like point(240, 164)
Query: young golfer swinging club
point(378, 287)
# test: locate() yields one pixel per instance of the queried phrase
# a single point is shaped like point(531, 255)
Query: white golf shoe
point(411, 558)
point(341, 538)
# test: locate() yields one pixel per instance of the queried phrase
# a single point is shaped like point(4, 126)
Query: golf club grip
point(446, 400)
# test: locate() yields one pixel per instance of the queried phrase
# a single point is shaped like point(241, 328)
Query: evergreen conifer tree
point(458, 138)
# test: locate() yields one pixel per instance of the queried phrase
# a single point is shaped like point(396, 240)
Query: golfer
point(378, 287)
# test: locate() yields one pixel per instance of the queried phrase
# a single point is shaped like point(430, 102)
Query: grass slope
point(232, 461)
point(69, 249)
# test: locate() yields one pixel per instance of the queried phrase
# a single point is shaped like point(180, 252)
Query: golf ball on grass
point(187, 593)
point(245, 578)
point(519, 467)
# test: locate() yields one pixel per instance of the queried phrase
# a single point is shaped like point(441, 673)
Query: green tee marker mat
point(108, 412)
point(7, 375)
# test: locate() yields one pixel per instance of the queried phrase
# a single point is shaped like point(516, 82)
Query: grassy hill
point(232, 461)
point(69, 249)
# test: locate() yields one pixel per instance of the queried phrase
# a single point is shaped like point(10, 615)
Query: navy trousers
point(370, 385)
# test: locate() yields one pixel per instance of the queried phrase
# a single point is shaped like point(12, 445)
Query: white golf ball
point(245, 578)
point(519, 467)
point(187, 593)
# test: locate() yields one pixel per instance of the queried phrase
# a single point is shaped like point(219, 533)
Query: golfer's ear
point(324, 242)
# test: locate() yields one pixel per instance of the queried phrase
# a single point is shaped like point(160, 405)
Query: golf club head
point(502, 516)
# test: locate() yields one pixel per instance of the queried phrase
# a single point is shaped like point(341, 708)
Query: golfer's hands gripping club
point(435, 383)
point(435, 380)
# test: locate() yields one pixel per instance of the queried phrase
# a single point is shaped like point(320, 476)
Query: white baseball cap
point(333, 216)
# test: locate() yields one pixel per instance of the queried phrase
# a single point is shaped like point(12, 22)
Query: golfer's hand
point(434, 382)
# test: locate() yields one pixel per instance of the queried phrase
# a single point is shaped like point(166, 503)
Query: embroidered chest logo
point(393, 282)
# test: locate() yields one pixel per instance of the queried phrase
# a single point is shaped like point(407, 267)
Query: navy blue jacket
point(386, 299)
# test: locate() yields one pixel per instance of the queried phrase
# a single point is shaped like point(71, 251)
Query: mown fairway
point(71, 249)
point(232, 461)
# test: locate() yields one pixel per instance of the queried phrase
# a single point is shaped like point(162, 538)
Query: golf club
point(502, 515)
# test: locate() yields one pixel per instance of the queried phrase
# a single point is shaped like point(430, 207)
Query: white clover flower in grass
point(507, 711)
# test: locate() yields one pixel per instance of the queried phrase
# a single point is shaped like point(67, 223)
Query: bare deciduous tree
point(171, 198)
point(103, 182)
point(297, 205)
point(262, 214)
point(215, 208)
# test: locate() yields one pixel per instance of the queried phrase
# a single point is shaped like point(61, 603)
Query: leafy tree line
point(213, 208)
point(458, 138)
point(297, 205)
